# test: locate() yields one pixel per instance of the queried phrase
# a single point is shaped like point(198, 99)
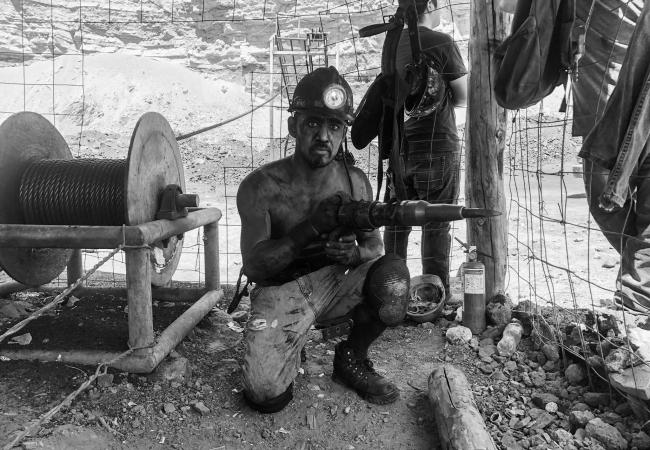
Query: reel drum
point(24, 139)
point(73, 189)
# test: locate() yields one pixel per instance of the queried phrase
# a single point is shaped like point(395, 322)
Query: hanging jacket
point(622, 135)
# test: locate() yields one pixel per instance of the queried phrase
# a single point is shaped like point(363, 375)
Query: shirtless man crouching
point(306, 268)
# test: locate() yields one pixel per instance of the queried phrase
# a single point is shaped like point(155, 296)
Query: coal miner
point(307, 269)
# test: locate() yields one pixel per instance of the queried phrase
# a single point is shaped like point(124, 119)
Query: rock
point(176, 369)
point(551, 407)
point(639, 339)
point(485, 368)
point(544, 420)
point(641, 441)
point(13, 309)
point(538, 379)
point(595, 399)
point(535, 412)
point(595, 362)
point(623, 409)
point(634, 381)
point(499, 310)
point(580, 434)
point(486, 351)
point(541, 399)
point(168, 408)
point(492, 332)
point(606, 434)
point(499, 376)
point(510, 339)
point(551, 352)
point(458, 335)
point(200, 408)
point(579, 406)
point(640, 410)
point(509, 442)
point(574, 373)
point(611, 418)
point(579, 419)
point(562, 435)
point(610, 263)
point(618, 360)
point(105, 380)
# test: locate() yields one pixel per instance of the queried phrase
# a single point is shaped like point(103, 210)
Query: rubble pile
point(546, 395)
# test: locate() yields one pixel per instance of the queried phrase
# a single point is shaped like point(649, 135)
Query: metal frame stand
point(136, 240)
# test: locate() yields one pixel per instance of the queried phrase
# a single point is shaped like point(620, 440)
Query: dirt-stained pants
point(280, 318)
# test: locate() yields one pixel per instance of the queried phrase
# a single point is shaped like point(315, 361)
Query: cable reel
point(41, 183)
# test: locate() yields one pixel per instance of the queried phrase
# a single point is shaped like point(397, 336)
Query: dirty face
point(318, 137)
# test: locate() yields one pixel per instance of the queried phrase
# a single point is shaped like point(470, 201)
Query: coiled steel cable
point(74, 192)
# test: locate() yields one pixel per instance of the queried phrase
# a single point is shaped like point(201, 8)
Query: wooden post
point(211, 253)
point(75, 266)
point(460, 425)
point(138, 287)
point(485, 131)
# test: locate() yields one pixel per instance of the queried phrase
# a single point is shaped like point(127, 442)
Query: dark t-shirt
point(440, 126)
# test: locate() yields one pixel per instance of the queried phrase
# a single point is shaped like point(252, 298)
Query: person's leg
point(385, 300)
point(437, 181)
point(277, 331)
point(396, 238)
point(635, 265)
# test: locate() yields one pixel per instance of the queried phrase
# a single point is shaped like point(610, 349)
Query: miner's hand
point(325, 218)
point(341, 247)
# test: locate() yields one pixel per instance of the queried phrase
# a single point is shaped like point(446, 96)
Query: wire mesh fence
point(93, 68)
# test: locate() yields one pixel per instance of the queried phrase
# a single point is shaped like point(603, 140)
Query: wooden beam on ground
point(460, 425)
point(485, 132)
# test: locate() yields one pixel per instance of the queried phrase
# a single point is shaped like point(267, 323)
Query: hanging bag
point(536, 57)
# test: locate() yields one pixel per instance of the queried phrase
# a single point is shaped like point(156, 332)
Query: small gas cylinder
point(474, 292)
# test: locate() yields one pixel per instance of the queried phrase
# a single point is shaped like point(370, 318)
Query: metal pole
point(271, 131)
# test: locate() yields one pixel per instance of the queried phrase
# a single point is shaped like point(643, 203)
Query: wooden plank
point(485, 132)
point(68, 236)
point(211, 255)
point(81, 236)
point(162, 229)
point(138, 282)
point(178, 329)
point(75, 266)
point(460, 425)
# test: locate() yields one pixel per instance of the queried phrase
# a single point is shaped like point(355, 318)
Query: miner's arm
point(262, 256)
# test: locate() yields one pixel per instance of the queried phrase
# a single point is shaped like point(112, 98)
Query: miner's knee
point(386, 289)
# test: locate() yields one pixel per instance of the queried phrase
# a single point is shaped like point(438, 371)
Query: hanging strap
point(234, 303)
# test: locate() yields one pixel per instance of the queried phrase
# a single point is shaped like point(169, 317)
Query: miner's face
point(318, 137)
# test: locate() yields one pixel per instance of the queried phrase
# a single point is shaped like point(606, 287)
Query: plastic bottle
point(474, 293)
point(510, 340)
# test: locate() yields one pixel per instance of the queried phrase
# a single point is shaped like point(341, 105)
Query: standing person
point(305, 267)
point(432, 155)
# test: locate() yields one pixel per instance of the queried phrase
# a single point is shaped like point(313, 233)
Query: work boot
point(358, 374)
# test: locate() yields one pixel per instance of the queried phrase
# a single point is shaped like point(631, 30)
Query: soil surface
point(136, 411)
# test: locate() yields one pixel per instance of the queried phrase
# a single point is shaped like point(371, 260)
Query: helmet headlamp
point(334, 96)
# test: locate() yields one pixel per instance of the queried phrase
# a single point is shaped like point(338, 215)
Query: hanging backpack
point(537, 55)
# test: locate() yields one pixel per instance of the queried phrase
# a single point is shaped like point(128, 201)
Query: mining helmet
point(326, 92)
